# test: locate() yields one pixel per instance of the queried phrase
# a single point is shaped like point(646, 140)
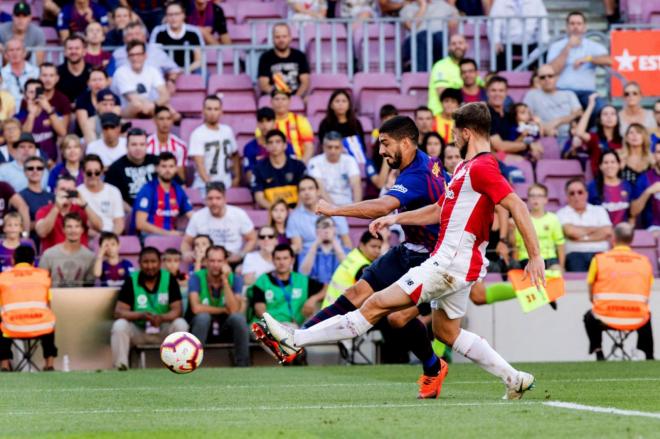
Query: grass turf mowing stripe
point(596, 409)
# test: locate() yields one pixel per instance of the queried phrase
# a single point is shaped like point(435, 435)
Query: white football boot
point(283, 334)
point(523, 382)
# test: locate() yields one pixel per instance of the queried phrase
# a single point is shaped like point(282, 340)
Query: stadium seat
point(551, 148)
point(246, 10)
point(481, 42)
point(405, 104)
point(190, 82)
point(51, 36)
point(240, 197)
point(367, 85)
point(416, 84)
point(195, 197)
point(555, 173)
point(518, 84)
point(368, 36)
point(162, 243)
point(129, 248)
point(317, 104)
point(239, 106)
point(355, 233)
point(231, 85)
point(321, 42)
point(188, 125)
point(259, 218)
point(297, 104)
point(229, 8)
point(328, 82)
point(188, 104)
point(524, 165)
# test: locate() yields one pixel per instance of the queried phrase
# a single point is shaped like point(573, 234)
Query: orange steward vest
point(24, 295)
point(622, 288)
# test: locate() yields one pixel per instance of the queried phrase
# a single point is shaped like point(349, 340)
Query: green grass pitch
point(333, 402)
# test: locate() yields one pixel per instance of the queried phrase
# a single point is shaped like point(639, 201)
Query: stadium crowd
point(228, 227)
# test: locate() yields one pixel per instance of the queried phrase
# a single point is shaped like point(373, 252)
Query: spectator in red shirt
point(50, 219)
point(94, 37)
point(49, 77)
point(471, 90)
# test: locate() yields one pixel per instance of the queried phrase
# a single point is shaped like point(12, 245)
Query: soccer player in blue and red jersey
point(161, 201)
point(419, 184)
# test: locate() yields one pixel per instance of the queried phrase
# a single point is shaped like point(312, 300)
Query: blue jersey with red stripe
point(419, 184)
point(163, 208)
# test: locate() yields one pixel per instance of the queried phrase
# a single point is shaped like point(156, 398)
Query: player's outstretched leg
point(351, 300)
point(471, 346)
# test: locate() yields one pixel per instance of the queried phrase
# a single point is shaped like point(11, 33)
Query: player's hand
point(535, 269)
point(325, 208)
point(384, 222)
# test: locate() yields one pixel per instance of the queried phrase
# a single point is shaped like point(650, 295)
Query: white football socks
point(477, 349)
point(335, 328)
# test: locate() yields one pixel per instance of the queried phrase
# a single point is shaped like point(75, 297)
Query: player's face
point(166, 170)
point(164, 122)
point(333, 150)
point(73, 231)
point(215, 201)
point(536, 199)
point(390, 150)
point(424, 121)
point(150, 265)
point(282, 261)
point(371, 250)
point(214, 262)
point(212, 111)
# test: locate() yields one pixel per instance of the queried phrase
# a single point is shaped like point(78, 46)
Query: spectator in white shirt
point(338, 174)
point(112, 145)
point(587, 228)
point(17, 70)
point(164, 140)
point(213, 148)
point(228, 226)
point(260, 261)
point(103, 198)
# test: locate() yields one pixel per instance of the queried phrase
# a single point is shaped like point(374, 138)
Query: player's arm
point(421, 217)
point(367, 209)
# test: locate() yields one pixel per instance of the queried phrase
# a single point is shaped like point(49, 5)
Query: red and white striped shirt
point(468, 207)
point(174, 144)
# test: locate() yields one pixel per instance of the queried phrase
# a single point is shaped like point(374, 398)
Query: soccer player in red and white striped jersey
point(163, 140)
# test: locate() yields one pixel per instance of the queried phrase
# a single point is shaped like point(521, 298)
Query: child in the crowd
point(200, 244)
point(575, 148)
point(12, 229)
point(527, 129)
point(109, 268)
point(172, 263)
point(451, 99)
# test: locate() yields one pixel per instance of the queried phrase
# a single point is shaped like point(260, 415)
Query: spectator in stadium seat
point(451, 99)
point(213, 148)
point(70, 263)
point(199, 246)
point(74, 72)
point(556, 108)
point(140, 86)
point(103, 198)
point(21, 26)
point(276, 177)
point(151, 12)
point(228, 226)
point(77, 15)
point(301, 224)
point(7, 110)
point(87, 102)
point(473, 7)
point(175, 32)
point(324, 254)
point(307, 10)
point(527, 128)
point(13, 172)
point(161, 201)
point(132, 171)
point(13, 230)
point(41, 119)
point(471, 90)
point(632, 111)
point(11, 132)
point(50, 218)
point(17, 71)
point(420, 11)
point(164, 140)
point(215, 306)
point(655, 134)
point(278, 214)
point(269, 292)
point(10, 199)
point(255, 149)
point(606, 136)
point(337, 174)
point(446, 73)
point(357, 9)
point(95, 55)
point(49, 78)
point(296, 126)
point(609, 190)
point(109, 268)
point(260, 260)
point(620, 280)
point(34, 194)
point(390, 8)
point(646, 197)
point(112, 145)
point(283, 68)
point(424, 120)
point(575, 58)
point(636, 154)
point(72, 154)
point(587, 228)
point(148, 308)
point(519, 28)
point(340, 116)
point(450, 158)
point(121, 16)
point(210, 18)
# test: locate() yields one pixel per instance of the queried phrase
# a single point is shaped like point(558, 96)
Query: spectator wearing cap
point(13, 172)
point(175, 32)
point(276, 177)
point(213, 148)
point(21, 26)
point(140, 86)
point(209, 17)
point(161, 201)
point(337, 174)
point(255, 149)
point(74, 71)
point(17, 71)
point(75, 16)
point(49, 78)
point(163, 140)
point(228, 226)
point(87, 102)
point(283, 67)
point(111, 146)
point(103, 198)
point(297, 128)
point(34, 194)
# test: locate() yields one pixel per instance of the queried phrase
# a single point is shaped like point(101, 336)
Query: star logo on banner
point(626, 61)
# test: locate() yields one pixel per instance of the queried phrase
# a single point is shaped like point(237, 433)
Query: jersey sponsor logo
point(449, 194)
point(399, 188)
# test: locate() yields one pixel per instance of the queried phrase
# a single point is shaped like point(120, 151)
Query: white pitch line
point(596, 409)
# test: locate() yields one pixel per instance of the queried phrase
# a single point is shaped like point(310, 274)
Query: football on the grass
point(181, 352)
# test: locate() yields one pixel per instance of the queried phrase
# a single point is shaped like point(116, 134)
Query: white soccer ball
point(181, 352)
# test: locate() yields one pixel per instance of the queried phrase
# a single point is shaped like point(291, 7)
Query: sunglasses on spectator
point(631, 93)
point(544, 77)
point(266, 236)
point(34, 168)
point(93, 173)
point(578, 192)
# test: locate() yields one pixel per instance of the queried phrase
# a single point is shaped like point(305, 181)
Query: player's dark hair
point(399, 128)
point(367, 236)
point(91, 158)
point(575, 180)
point(47, 65)
point(309, 178)
point(284, 248)
point(108, 236)
point(275, 133)
point(24, 254)
point(149, 250)
point(475, 117)
point(215, 248)
point(64, 177)
point(202, 236)
point(166, 156)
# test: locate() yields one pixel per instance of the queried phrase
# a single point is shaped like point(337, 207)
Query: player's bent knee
point(478, 295)
point(397, 320)
point(447, 335)
point(358, 293)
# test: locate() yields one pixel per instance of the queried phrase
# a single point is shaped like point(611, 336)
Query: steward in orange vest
point(620, 283)
point(25, 307)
